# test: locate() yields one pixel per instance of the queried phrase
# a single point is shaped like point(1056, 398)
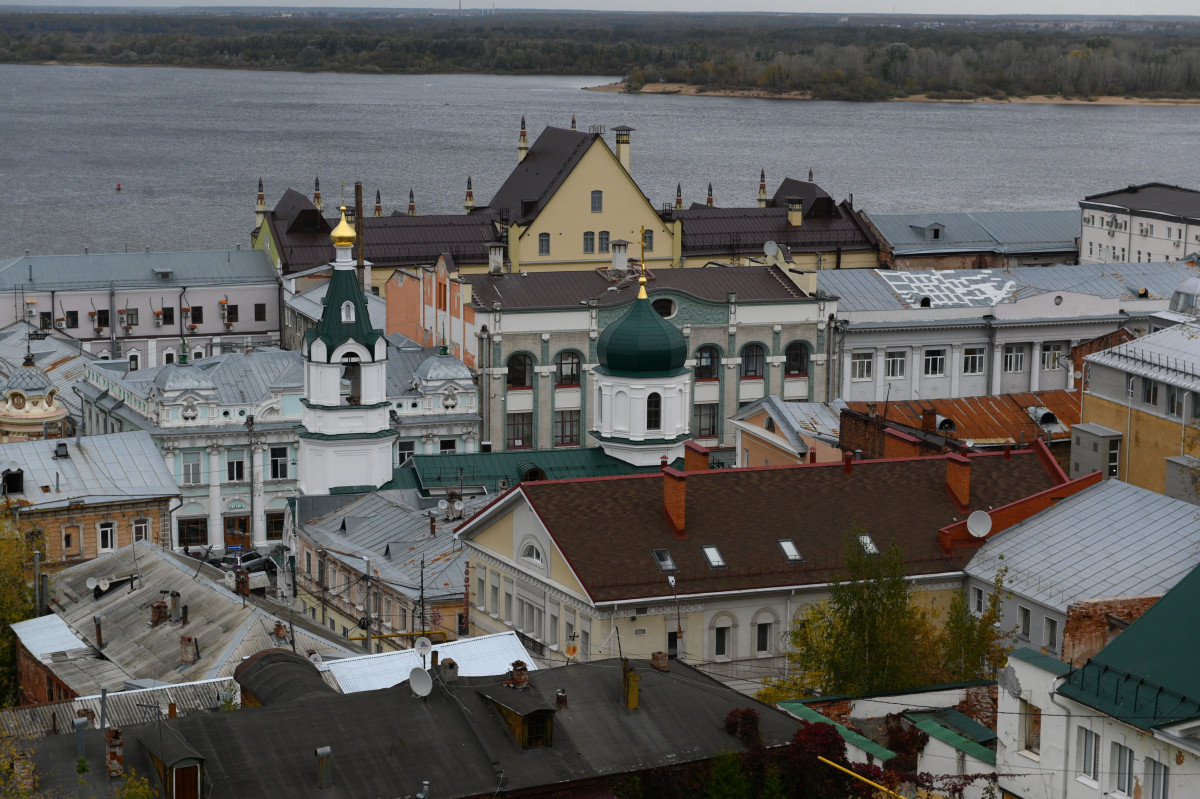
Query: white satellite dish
point(315, 657)
point(91, 583)
point(458, 504)
point(423, 645)
point(770, 249)
point(979, 523)
point(443, 504)
point(419, 681)
point(230, 579)
point(103, 585)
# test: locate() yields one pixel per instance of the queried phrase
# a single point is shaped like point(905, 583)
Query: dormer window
point(347, 311)
point(713, 556)
point(14, 482)
point(532, 554)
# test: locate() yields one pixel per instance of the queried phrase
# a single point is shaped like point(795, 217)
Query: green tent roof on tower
point(641, 343)
point(337, 327)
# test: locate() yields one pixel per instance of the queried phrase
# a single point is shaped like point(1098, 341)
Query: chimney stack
point(324, 766)
point(80, 725)
point(449, 670)
point(958, 479)
point(675, 498)
point(762, 188)
point(495, 259)
point(620, 255)
point(158, 613)
point(660, 661)
point(560, 699)
point(97, 619)
point(520, 674)
point(629, 684)
point(187, 649)
point(848, 462)
point(929, 420)
point(114, 758)
point(522, 143)
point(812, 456)
point(795, 211)
point(174, 606)
point(623, 132)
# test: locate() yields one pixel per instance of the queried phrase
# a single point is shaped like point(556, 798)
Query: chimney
point(187, 649)
point(80, 725)
point(872, 410)
point(260, 205)
point(158, 613)
point(469, 203)
point(522, 143)
point(675, 498)
point(929, 420)
point(324, 766)
point(629, 684)
point(848, 462)
point(812, 456)
point(958, 479)
point(1008, 450)
point(623, 132)
point(172, 710)
point(114, 758)
point(183, 616)
point(660, 661)
point(432, 525)
point(762, 188)
point(495, 259)
point(433, 659)
point(560, 699)
point(620, 255)
point(520, 674)
point(795, 211)
point(695, 457)
point(97, 619)
point(449, 670)
point(174, 606)
point(317, 195)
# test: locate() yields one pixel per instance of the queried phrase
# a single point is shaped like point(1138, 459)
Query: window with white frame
point(543, 244)
point(141, 530)
point(1122, 769)
point(1174, 401)
point(1089, 754)
point(106, 536)
point(1023, 622)
point(1051, 354)
point(279, 463)
point(1157, 776)
point(589, 241)
point(191, 468)
point(977, 599)
point(713, 556)
point(597, 201)
point(1149, 391)
point(973, 360)
point(235, 465)
point(763, 635)
point(1014, 358)
point(1051, 637)
point(893, 363)
point(860, 365)
point(935, 363)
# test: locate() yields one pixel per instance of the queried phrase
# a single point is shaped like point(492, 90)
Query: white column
point(955, 366)
point(258, 522)
point(879, 356)
point(917, 366)
point(1071, 364)
point(997, 368)
point(1035, 367)
point(844, 390)
point(216, 529)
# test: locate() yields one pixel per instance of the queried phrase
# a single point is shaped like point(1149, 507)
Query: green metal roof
point(487, 468)
point(641, 343)
point(343, 287)
point(959, 722)
point(1041, 660)
point(1147, 677)
point(945, 725)
point(801, 710)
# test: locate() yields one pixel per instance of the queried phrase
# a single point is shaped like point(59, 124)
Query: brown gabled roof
point(534, 180)
point(608, 527)
point(718, 231)
point(990, 420)
point(816, 199)
point(544, 290)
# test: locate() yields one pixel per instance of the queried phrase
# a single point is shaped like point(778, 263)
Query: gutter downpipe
point(1066, 737)
point(112, 321)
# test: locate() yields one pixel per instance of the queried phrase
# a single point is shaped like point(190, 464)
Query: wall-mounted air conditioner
point(31, 311)
point(61, 324)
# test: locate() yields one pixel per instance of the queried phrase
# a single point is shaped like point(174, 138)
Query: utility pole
point(322, 570)
point(366, 574)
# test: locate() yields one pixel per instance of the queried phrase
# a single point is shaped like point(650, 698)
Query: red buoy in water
point(118, 187)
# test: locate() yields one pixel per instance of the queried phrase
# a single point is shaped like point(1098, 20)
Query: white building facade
point(1153, 222)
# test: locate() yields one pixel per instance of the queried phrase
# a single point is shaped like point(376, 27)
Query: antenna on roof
point(420, 682)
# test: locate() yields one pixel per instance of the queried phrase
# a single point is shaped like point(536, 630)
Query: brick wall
point(1094, 623)
point(980, 704)
point(870, 434)
point(36, 684)
point(837, 709)
point(80, 524)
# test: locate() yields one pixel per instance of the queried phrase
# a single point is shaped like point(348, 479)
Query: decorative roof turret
point(345, 315)
point(641, 342)
point(28, 379)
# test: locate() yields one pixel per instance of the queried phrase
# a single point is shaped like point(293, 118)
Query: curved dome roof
point(182, 377)
point(442, 367)
point(29, 379)
point(641, 342)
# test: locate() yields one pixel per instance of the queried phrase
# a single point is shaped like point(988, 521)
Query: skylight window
point(664, 560)
point(868, 545)
point(713, 555)
point(790, 552)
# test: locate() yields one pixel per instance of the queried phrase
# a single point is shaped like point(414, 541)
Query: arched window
point(752, 361)
point(134, 361)
point(543, 244)
point(531, 553)
point(707, 359)
point(796, 360)
point(566, 366)
point(654, 411)
point(603, 241)
point(347, 311)
point(520, 371)
point(589, 241)
point(352, 373)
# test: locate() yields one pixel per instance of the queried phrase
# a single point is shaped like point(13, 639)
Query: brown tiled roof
point(540, 290)
point(534, 180)
point(607, 527)
point(816, 200)
point(719, 231)
point(989, 420)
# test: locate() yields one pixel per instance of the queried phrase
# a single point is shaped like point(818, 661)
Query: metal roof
point(487, 468)
point(1041, 660)
point(1151, 197)
point(990, 419)
point(1109, 540)
point(118, 467)
point(1011, 232)
point(857, 739)
point(716, 230)
point(1170, 356)
point(311, 304)
point(61, 359)
point(45, 635)
point(476, 657)
point(136, 270)
point(545, 167)
point(947, 726)
point(887, 290)
point(794, 419)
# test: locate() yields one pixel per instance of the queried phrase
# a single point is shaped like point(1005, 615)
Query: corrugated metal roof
point(803, 711)
point(486, 468)
point(476, 657)
point(1112, 539)
point(136, 270)
point(1041, 660)
point(1159, 197)
point(935, 726)
point(887, 290)
point(310, 305)
point(1170, 356)
point(1011, 232)
point(46, 634)
point(114, 468)
point(59, 358)
point(991, 419)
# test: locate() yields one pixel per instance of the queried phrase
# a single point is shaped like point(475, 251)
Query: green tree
point(16, 599)
point(974, 647)
point(135, 787)
point(726, 779)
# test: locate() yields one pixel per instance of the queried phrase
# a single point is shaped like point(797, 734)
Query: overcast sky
point(1090, 7)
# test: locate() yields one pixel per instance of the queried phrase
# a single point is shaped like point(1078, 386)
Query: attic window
point(347, 311)
point(532, 553)
point(14, 481)
point(868, 544)
point(664, 560)
point(713, 556)
point(790, 552)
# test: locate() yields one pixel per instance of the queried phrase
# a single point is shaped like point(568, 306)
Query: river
point(188, 147)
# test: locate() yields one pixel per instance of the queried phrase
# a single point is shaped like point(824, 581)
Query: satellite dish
point(1078, 375)
point(12, 467)
point(979, 523)
point(443, 504)
point(770, 249)
point(423, 646)
point(572, 649)
point(458, 504)
point(230, 579)
point(419, 681)
point(315, 657)
point(103, 585)
point(91, 583)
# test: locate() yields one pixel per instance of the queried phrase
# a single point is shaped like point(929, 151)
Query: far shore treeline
point(826, 57)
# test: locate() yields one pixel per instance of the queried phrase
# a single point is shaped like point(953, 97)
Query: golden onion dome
point(343, 234)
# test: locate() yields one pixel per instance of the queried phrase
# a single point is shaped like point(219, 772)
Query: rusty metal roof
point(991, 420)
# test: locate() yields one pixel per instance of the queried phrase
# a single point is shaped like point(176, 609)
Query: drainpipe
point(1066, 738)
point(114, 346)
